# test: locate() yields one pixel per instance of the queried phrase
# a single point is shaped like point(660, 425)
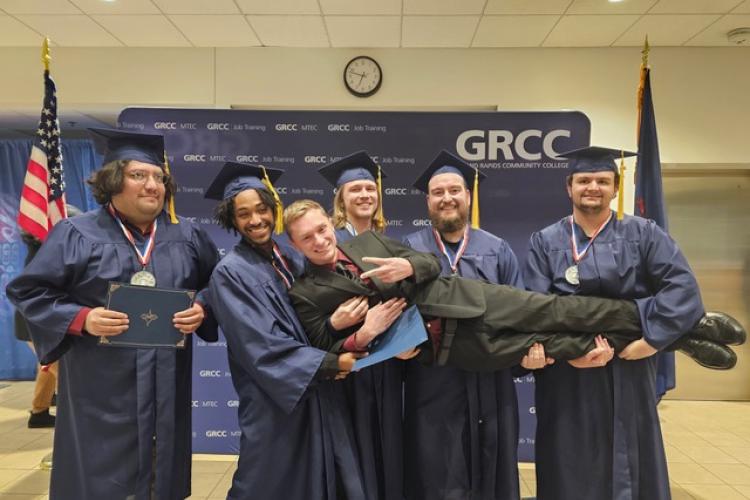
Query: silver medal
point(143, 278)
point(571, 275)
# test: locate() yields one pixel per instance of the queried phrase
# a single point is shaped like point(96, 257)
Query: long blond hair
point(338, 213)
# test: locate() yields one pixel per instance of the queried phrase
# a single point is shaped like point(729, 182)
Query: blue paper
point(406, 333)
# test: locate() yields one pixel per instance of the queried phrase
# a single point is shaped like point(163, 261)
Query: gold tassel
point(170, 203)
point(475, 201)
point(379, 216)
point(279, 223)
point(621, 189)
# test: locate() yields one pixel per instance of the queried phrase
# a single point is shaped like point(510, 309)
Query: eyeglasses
point(141, 177)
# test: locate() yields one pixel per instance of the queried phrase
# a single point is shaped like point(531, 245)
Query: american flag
point(43, 193)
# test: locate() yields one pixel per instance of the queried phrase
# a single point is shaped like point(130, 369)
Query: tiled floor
point(708, 449)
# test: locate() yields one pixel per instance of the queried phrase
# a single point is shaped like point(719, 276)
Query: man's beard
point(448, 225)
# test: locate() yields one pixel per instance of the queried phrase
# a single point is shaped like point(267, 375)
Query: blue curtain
point(79, 160)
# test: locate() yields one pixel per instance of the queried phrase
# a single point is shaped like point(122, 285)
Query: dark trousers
point(516, 319)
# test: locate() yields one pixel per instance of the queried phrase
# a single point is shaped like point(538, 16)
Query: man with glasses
point(123, 422)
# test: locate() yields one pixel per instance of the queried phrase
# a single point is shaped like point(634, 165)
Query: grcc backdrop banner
point(524, 191)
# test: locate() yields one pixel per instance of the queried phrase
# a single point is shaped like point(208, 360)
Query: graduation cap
point(594, 159)
point(355, 167)
point(447, 163)
point(598, 159)
point(233, 178)
point(115, 144)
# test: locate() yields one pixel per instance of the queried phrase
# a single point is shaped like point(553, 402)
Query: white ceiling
point(370, 23)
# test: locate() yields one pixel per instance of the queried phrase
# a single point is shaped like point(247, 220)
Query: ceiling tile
point(588, 31)
point(443, 7)
point(526, 7)
point(197, 6)
point(38, 7)
point(290, 31)
point(513, 31)
point(294, 7)
point(364, 31)
point(743, 8)
point(143, 31)
point(70, 31)
point(665, 29)
point(693, 6)
point(438, 31)
point(14, 34)
point(128, 7)
point(716, 34)
point(603, 7)
point(216, 31)
point(361, 7)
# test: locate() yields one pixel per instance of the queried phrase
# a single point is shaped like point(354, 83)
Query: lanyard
point(578, 255)
point(278, 260)
point(145, 257)
point(459, 253)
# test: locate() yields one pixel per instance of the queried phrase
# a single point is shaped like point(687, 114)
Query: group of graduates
point(440, 421)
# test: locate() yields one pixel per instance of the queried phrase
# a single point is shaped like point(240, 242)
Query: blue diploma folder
point(150, 311)
point(407, 332)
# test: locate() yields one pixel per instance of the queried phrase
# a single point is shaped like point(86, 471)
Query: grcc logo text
point(316, 159)
point(396, 191)
point(247, 158)
point(286, 127)
point(165, 125)
point(213, 434)
point(217, 126)
point(338, 127)
point(210, 373)
point(194, 158)
point(233, 403)
point(479, 145)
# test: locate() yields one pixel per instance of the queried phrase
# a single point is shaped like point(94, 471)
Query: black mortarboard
point(445, 163)
point(594, 159)
point(357, 166)
point(235, 177)
point(115, 144)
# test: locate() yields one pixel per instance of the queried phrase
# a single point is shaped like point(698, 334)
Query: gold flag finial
point(46, 58)
point(644, 52)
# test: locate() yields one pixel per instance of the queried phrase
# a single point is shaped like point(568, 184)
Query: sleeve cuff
point(76, 326)
point(328, 368)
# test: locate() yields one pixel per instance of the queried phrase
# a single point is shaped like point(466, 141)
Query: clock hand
point(355, 73)
point(361, 77)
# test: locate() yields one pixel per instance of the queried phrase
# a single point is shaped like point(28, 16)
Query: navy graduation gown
point(598, 433)
point(115, 405)
point(461, 428)
point(296, 441)
point(374, 398)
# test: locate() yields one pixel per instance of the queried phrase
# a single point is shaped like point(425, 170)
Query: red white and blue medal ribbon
point(459, 253)
point(571, 273)
point(279, 260)
point(142, 277)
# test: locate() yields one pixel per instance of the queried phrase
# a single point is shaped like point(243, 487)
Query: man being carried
point(481, 326)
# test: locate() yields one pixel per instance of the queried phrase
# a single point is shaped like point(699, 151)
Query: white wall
point(702, 95)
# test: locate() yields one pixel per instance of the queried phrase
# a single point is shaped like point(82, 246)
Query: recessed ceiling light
point(616, 1)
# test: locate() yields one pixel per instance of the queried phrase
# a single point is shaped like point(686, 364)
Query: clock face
point(362, 76)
